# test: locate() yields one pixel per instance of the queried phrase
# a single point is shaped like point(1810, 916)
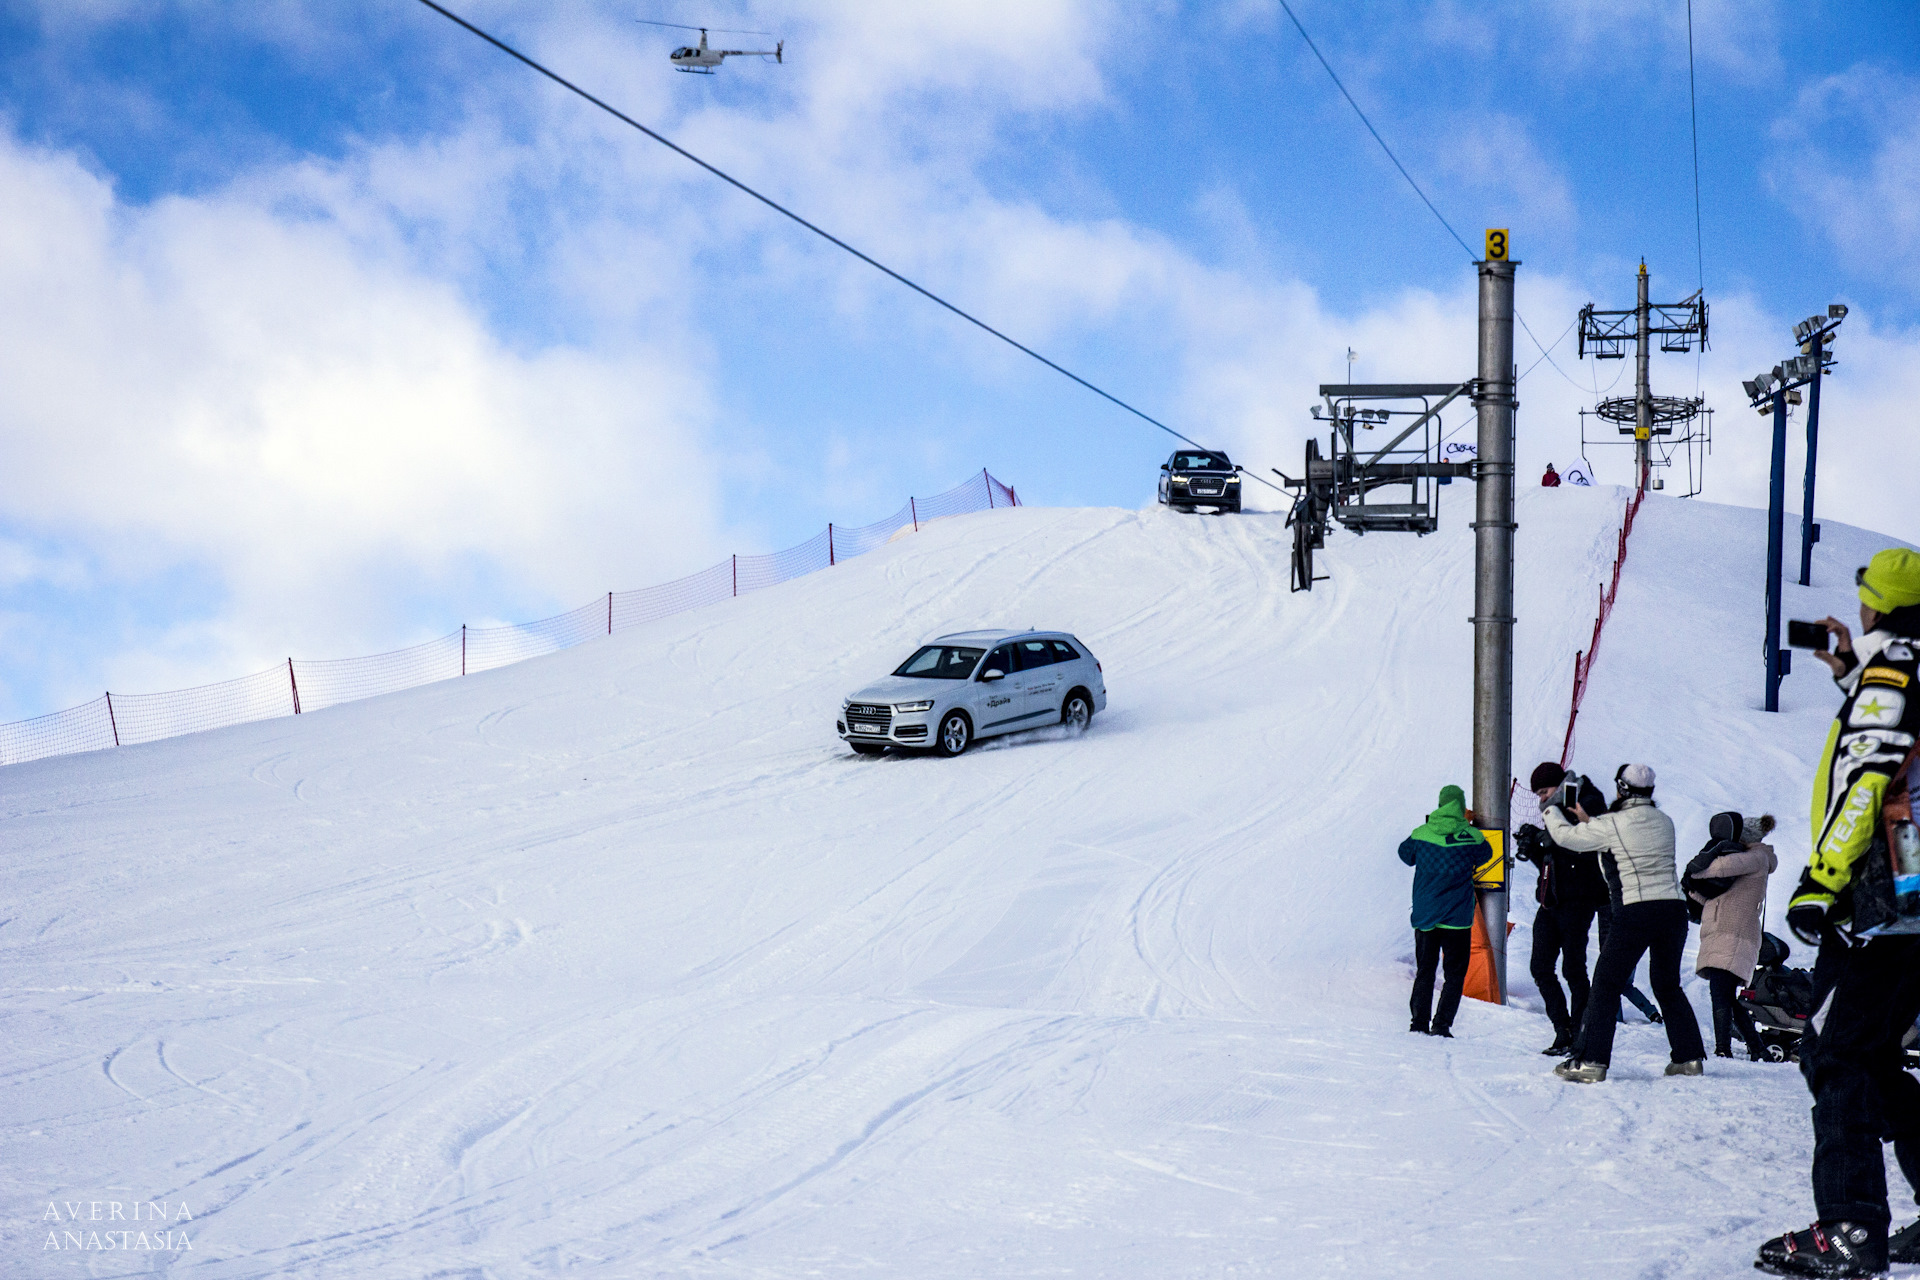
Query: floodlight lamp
point(1753, 389)
point(1837, 311)
point(1801, 330)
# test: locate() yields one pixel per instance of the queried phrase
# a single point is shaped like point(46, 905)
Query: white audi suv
point(975, 684)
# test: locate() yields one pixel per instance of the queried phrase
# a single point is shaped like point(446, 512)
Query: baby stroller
point(1779, 1000)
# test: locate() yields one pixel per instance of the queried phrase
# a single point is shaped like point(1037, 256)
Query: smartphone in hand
point(1807, 635)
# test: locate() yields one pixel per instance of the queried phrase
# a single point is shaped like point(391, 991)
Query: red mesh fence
point(300, 685)
point(87, 727)
point(1583, 661)
point(329, 681)
point(148, 717)
point(649, 604)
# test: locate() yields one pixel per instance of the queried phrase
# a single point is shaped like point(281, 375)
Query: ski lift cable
point(1431, 207)
point(1375, 132)
point(1699, 240)
point(1693, 112)
point(832, 239)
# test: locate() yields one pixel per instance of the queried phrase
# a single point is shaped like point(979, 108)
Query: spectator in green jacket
point(1443, 852)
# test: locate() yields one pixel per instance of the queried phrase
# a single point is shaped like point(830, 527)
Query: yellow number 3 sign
point(1496, 244)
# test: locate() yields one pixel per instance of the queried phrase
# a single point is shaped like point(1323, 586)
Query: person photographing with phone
point(1635, 841)
point(1846, 903)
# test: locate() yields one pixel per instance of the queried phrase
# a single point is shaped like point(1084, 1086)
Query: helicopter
point(700, 60)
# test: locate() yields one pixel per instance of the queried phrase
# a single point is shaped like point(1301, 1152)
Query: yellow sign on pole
point(1492, 871)
point(1496, 244)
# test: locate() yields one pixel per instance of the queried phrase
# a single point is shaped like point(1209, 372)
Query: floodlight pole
point(1809, 531)
point(1642, 383)
point(1493, 586)
point(1776, 518)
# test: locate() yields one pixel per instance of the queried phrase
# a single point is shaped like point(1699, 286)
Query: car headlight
point(1233, 479)
point(913, 706)
point(1179, 479)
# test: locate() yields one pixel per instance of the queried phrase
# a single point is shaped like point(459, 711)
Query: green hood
point(1445, 824)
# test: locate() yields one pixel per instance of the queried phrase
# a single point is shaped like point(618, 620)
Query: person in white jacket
point(1636, 846)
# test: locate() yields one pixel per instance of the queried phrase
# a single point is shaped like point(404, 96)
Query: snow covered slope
point(616, 963)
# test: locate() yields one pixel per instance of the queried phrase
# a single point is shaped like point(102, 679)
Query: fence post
point(463, 648)
point(830, 559)
point(915, 509)
point(1015, 495)
point(736, 575)
point(609, 613)
point(111, 722)
point(989, 479)
point(294, 685)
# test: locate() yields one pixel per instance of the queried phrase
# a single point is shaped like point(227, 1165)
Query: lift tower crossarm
point(1420, 421)
point(1386, 390)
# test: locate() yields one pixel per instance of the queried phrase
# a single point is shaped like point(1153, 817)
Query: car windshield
point(1201, 462)
point(941, 662)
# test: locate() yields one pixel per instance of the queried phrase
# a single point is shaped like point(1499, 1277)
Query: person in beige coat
point(1727, 884)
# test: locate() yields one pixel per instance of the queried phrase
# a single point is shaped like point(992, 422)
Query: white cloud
point(1847, 162)
point(212, 381)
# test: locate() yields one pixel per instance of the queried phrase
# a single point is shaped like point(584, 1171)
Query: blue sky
point(328, 328)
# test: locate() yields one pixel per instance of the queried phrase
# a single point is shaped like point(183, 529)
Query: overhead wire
point(1699, 239)
point(1370, 129)
point(1417, 190)
point(1693, 112)
point(828, 236)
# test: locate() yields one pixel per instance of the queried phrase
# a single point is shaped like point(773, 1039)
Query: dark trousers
point(1729, 1013)
point(1560, 937)
point(1429, 947)
point(1659, 931)
point(1635, 997)
point(1862, 1094)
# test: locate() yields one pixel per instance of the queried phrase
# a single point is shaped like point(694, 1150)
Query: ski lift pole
point(1776, 517)
point(1809, 531)
point(1493, 589)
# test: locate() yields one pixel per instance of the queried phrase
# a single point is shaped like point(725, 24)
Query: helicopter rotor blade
point(681, 26)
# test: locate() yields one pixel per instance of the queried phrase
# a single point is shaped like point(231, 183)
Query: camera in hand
point(1807, 635)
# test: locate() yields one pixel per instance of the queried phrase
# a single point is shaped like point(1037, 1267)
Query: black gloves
point(1808, 908)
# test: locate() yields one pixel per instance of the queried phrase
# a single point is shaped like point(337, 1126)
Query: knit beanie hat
point(1636, 777)
point(1546, 775)
point(1754, 830)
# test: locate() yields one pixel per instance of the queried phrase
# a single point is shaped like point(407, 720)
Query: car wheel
point(956, 734)
point(1077, 711)
point(866, 748)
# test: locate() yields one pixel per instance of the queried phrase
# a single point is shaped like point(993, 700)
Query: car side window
point(1063, 652)
point(1034, 653)
point(1000, 660)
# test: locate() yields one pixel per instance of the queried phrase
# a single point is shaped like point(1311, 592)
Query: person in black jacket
point(1570, 890)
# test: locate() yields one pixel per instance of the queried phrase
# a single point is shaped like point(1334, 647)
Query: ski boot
point(1694, 1067)
point(1579, 1072)
point(1840, 1251)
